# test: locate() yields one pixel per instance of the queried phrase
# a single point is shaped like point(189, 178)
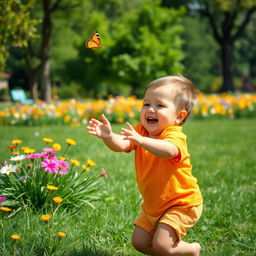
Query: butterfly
point(94, 42)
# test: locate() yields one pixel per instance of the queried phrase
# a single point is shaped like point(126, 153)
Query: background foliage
point(141, 40)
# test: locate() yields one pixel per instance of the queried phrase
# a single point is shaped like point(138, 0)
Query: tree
point(16, 26)
point(148, 45)
point(228, 20)
point(38, 55)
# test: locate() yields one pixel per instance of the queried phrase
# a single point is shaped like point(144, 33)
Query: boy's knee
point(140, 245)
point(161, 248)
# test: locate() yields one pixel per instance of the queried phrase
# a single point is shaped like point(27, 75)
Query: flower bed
point(75, 113)
point(40, 180)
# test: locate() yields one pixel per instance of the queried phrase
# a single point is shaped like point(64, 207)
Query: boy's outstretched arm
point(160, 148)
point(103, 130)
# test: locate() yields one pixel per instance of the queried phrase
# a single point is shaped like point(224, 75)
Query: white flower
point(8, 169)
point(17, 158)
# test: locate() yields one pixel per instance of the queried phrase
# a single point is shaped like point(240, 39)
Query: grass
point(223, 158)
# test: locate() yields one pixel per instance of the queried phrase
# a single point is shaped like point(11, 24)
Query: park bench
point(18, 95)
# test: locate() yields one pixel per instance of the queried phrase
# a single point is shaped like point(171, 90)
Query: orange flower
point(46, 217)
point(61, 235)
point(5, 209)
point(57, 200)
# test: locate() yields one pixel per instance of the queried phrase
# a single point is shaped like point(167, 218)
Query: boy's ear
point(181, 116)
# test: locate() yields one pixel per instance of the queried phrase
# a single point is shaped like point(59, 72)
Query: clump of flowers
point(46, 178)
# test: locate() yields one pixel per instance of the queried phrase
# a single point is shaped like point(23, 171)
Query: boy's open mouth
point(151, 120)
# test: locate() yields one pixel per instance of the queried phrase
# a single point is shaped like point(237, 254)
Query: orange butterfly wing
point(94, 42)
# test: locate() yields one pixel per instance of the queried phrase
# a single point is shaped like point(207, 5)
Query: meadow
point(223, 158)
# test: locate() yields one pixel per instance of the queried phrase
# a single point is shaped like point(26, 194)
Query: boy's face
point(158, 111)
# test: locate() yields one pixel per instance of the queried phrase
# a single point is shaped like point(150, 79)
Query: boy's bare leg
point(165, 243)
point(142, 241)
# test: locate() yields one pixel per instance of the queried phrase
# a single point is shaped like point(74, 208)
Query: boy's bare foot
point(196, 249)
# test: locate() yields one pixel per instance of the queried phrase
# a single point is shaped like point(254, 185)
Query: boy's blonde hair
point(185, 96)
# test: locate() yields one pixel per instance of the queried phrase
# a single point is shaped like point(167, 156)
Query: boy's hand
point(131, 134)
point(102, 129)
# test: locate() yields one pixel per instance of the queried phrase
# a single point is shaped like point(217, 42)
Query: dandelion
point(75, 162)
point(61, 235)
point(57, 200)
point(5, 209)
point(7, 169)
point(16, 142)
point(91, 162)
point(56, 146)
point(47, 140)
point(70, 142)
point(29, 151)
point(46, 217)
point(86, 168)
point(50, 187)
point(15, 237)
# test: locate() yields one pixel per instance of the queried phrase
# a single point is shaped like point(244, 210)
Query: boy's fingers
point(104, 119)
point(130, 126)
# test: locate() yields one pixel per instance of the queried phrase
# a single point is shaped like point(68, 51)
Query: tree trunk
point(45, 81)
point(33, 85)
point(227, 66)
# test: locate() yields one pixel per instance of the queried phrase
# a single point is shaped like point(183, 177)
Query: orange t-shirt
point(163, 182)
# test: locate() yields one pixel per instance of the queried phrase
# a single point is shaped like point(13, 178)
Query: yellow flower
point(50, 187)
point(29, 151)
point(56, 146)
point(16, 142)
point(61, 235)
point(46, 217)
point(15, 237)
point(24, 148)
point(57, 200)
point(5, 209)
point(85, 168)
point(47, 140)
point(91, 162)
point(70, 142)
point(62, 158)
point(75, 162)
point(15, 153)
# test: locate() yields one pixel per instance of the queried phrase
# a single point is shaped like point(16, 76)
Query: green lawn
point(223, 158)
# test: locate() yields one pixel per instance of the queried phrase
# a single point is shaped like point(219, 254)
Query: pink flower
point(104, 173)
point(51, 157)
point(50, 150)
point(50, 166)
point(63, 166)
point(2, 198)
point(36, 155)
point(63, 171)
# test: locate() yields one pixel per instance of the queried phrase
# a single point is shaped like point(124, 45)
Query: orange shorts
point(179, 218)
